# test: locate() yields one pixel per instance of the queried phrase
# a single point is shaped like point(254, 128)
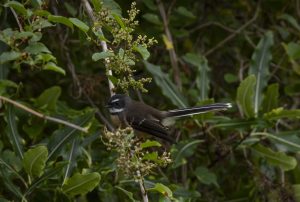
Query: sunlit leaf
point(163, 189)
point(150, 143)
point(61, 20)
point(102, 55)
point(81, 183)
point(245, 95)
point(35, 160)
point(259, 66)
point(280, 113)
point(81, 25)
point(18, 7)
point(53, 67)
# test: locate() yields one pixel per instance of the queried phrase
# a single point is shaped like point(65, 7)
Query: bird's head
point(117, 103)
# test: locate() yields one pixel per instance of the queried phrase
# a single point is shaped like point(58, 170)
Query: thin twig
point(17, 19)
point(172, 53)
point(231, 36)
point(43, 116)
point(212, 23)
point(103, 43)
point(142, 187)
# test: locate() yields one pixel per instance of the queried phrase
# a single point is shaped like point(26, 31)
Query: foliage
point(53, 67)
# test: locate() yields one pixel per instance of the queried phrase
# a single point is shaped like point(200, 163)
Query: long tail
point(198, 110)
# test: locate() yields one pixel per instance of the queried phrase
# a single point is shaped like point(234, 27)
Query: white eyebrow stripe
point(115, 100)
point(115, 110)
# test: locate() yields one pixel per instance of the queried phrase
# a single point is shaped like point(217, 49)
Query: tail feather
point(198, 110)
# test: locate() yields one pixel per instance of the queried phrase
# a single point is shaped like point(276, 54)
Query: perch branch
point(43, 116)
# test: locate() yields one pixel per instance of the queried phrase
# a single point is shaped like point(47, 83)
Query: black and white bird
point(144, 118)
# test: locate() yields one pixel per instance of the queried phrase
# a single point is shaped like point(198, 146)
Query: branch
point(43, 116)
point(231, 36)
point(103, 43)
point(172, 53)
point(17, 19)
point(142, 187)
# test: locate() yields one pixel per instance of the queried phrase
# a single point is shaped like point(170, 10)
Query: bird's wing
point(152, 127)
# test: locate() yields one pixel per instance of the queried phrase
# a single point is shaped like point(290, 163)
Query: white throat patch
point(115, 110)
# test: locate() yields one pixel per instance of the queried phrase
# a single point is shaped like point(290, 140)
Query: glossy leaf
point(279, 159)
point(102, 55)
point(259, 66)
point(167, 86)
point(206, 176)
point(81, 183)
point(271, 98)
point(35, 160)
point(53, 67)
point(48, 99)
point(164, 190)
point(150, 143)
point(60, 19)
point(18, 7)
point(245, 95)
point(81, 25)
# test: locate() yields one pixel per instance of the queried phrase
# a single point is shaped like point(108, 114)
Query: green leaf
point(296, 190)
point(9, 56)
point(18, 7)
point(119, 20)
point(280, 113)
point(61, 137)
point(164, 190)
point(150, 143)
point(152, 156)
point(293, 51)
point(184, 151)
point(35, 160)
point(230, 78)
point(81, 25)
point(152, 18)
point(49, 98)
point(127, 193)
point(50, 173)
point(202, 79)
point(61, 20)
point(112, 6)
point(81, 183)
point(290, 19)
point(260, 67)
point(143, 51)
point(12, 132)
point(74, 151)
point(279, 159)
point(53, 67)
point(271, 98)
point(185, 12)
point(4, 84)
point(36, 48)
point(245, 94)
point(102, 55)
point(206, 176)
point(167, 86)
